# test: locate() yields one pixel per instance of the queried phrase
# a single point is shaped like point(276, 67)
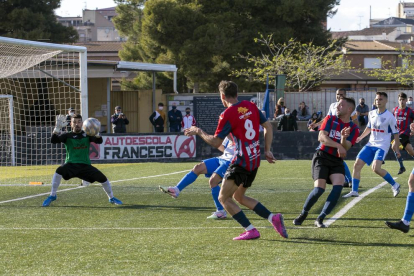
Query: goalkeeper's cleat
point(218, 215)
point(400, 225)
point(115, 201)
point(172, 191)
point(48, 200)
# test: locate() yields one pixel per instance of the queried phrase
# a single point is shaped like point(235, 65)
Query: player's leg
point(91, 174)
point(214, 181)
point(348, 177)
point(228, 188)
point(404, 224)
point(65, 171)
point(320, 174)
point(399, 159)
point(337, 180)
point(189, 178)
point(376, 167)
point(365, 156)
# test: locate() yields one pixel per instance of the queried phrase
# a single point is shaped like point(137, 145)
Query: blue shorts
point(216, 165)
point(368, 154)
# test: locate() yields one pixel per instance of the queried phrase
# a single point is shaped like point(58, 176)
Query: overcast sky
point(351, 15)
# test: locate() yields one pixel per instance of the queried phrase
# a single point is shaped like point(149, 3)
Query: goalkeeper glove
point(98, 135)
point(60, 123)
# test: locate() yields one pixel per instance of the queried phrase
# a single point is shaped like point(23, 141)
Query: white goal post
point(39, 81)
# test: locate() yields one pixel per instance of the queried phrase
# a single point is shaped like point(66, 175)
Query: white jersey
point(332, 111)
point(382, 126)
point(228, 150)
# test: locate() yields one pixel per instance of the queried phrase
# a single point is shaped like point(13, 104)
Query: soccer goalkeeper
point(77, 162)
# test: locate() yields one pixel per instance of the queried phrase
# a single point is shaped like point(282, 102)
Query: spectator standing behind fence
point(288, 122)
point(119, 121)
point(410, 102)
point(188, 119)
point(280, 108)
point(313, 120)
point(303, 112)
point(157, 118)
point(175, 117)
point(71, 113)
point(362, 111)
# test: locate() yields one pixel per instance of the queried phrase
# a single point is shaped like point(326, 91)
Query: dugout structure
point(37, 82)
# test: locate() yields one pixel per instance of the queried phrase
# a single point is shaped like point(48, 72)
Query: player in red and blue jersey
point(404, 116)
point(242, 120)
point(337, 135)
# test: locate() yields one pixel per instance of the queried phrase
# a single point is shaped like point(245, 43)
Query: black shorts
point(83, 171)
point(240, 175)
point(325, 164)
point(404, 140)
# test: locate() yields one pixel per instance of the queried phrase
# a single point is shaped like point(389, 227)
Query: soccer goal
point(37, 82)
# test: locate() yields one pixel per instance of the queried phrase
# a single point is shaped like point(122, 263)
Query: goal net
point(37, 82)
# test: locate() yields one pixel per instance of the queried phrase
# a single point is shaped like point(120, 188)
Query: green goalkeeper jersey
point(77, 146)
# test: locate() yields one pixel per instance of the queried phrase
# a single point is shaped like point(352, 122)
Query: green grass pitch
point(154, 234)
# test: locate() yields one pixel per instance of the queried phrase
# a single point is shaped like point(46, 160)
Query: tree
point(34, 20)
point(401, 70)
point(305, 65)
point(202, 37)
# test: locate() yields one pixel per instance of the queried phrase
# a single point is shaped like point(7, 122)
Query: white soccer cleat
point(395, 189)
point(351, 194)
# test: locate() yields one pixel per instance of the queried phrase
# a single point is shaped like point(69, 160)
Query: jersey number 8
point(250, 132)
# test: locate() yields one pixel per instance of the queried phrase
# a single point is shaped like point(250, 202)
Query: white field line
point(353, 202)
point(149, 176)
point(69, 189)
point(140, 228)
point(32, 196)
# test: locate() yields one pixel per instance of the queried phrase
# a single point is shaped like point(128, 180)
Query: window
point(372, 63)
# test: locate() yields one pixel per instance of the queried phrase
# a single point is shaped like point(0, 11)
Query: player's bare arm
point(209, 139)
point(268, 135)
point(366, 132)
point(344, 135)
point(327, 141)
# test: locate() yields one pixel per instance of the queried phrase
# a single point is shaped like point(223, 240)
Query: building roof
point(101, 46)
point(405, 37)
point(394, 21)
point(376, 45)
point(363, 32)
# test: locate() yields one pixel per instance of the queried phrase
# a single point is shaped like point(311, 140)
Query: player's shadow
point(349, 243)
point(165, 207)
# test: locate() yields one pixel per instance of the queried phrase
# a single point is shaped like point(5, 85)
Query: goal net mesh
point(43, 83)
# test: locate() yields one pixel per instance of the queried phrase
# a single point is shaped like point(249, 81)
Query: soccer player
point(340, 93)
point(404, 224)
point(77, 162)
point(242, 120)
point(214, 168)
point(381, 123)
point(404, 116)
point(337, 135)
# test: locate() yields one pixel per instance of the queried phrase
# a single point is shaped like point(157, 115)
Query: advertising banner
point(144, 147)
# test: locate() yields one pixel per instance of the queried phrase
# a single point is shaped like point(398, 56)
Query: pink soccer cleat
point(248, 235)
point(279, 225)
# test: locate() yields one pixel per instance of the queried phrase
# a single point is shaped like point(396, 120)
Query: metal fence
point(321, 100)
